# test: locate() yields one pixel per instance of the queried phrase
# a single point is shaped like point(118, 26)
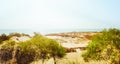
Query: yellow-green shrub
point(105, 46)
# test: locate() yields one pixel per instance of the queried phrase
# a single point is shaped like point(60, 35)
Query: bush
point(105, 46)
point(3, 37)
point(38, 47)
point(17, 34)
point(6, 50)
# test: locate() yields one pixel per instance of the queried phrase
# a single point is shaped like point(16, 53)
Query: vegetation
point(17, 34)
point(6, 49)
point(38, 47)
point(105, 46)
point(3, 37)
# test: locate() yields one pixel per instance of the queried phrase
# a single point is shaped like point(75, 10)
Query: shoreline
point(46, 31)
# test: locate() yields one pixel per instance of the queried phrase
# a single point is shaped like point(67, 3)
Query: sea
point(45, 31)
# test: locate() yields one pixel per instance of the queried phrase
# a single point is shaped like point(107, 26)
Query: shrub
point(105, 46)
point(38, 47)
point(56, 50)
point(6, 50)
point(17, 34)
point(3, 37)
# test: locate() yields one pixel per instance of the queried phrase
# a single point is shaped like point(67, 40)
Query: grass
point(71, 58)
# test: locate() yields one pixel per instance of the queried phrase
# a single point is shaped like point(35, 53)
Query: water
point(45, 31)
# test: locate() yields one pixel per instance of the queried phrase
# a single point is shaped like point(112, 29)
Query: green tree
point(105, 46)
point(56, 50)
point(48, 48)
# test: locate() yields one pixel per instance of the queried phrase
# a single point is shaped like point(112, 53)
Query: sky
point(59, 14)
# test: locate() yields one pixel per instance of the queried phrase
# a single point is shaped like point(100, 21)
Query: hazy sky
point(41, 14)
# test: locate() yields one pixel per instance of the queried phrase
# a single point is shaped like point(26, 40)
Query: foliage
point(38, 47)
point(17, 34)
point(6, 51)
point(105, 46)
point(3, 37)
point(55, 50)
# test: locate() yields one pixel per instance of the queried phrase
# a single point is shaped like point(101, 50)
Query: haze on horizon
point(54, 14)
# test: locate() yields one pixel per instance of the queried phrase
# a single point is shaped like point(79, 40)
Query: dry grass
point(71, 58)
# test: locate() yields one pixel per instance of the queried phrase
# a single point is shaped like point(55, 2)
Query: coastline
point(46, 31)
